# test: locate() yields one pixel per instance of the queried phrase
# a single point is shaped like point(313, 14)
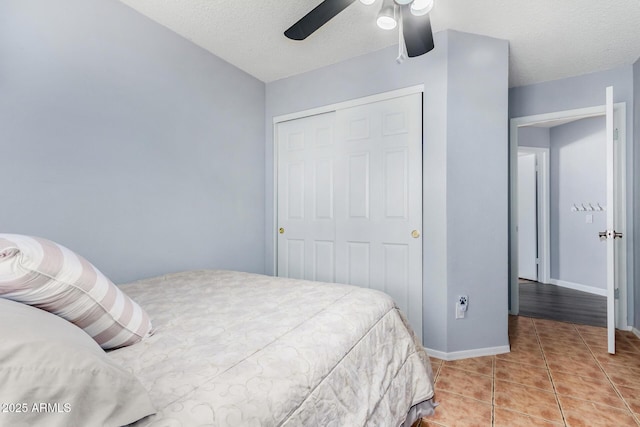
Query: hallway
point(553, 302)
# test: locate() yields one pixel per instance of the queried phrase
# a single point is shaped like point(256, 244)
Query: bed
point(206, 347)
point(234, 349)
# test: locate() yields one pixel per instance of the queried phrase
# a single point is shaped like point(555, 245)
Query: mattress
point(240, 349)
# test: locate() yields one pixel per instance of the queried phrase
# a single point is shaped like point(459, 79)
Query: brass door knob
point(415, 234)
point(281, 230)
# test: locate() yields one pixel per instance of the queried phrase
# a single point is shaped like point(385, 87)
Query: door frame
point(620, 190)
point(312, 112)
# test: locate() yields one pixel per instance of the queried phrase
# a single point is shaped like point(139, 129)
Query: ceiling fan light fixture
point(387, 16)
point(367, 2)
point(386, 22)
point(421, 7)
point(402, 2)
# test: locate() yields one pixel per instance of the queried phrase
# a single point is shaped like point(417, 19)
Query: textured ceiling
point(549, 39)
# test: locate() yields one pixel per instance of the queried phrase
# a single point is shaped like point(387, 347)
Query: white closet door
point(350, 199)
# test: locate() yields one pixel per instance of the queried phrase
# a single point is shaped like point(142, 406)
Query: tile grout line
point(546, 364)
point(493, 391)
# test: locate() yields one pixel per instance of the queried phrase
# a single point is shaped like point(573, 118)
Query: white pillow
point(53, 374)
point(47, 275)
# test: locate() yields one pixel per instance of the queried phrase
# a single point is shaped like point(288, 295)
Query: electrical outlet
point(461, 306)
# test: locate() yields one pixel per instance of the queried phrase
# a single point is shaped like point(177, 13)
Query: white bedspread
point(239, 349)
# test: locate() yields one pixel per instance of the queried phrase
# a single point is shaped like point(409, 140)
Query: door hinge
point(537, 260)
point(616, 293)
point(615, 134)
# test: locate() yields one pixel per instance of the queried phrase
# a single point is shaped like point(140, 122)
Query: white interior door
point(527, 217)
point(610, 234)
point(350, 200)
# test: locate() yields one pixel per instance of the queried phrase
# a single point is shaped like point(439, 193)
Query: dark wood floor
point(557, 303)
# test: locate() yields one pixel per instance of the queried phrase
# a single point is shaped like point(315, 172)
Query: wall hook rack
point(587, 207)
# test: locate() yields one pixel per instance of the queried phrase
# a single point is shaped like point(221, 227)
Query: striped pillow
point(49, 276)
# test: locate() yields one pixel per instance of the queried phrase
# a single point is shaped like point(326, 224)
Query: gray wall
point(126, 142)
point(577, 174)
point(477, 190)
point(537, 137)
point(579, 92)
point(636, 198)
point(464, 162)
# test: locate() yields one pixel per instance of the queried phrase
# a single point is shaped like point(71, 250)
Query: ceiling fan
point(412, 16)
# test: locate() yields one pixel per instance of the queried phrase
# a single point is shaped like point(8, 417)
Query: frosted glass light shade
point(367, 2)
point(387, 15)
point(386, 22)
point(421, 7)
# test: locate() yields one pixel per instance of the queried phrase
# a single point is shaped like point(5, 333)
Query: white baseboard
point(636, 332)
point(579, 287)
point(465, 354)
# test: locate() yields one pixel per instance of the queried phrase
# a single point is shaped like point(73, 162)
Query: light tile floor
point(557, 374)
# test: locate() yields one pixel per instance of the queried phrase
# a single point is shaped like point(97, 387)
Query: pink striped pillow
point(49, 276)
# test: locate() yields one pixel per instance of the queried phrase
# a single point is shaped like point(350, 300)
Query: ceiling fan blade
point(418, 36)
point(316, 18)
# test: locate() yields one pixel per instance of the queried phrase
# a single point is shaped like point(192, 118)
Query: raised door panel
point(358, 263)
point(358, 185)
point(396, 268)
point(396, 183)
point(323, 184)
point(324, 261)
point(295, 189)
point(294, 255)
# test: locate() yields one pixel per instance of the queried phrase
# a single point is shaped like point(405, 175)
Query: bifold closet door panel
point(306, 191)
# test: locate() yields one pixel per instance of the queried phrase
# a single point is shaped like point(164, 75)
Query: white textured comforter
point(239, 349)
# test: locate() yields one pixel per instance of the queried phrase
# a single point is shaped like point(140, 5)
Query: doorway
point(576, 207)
